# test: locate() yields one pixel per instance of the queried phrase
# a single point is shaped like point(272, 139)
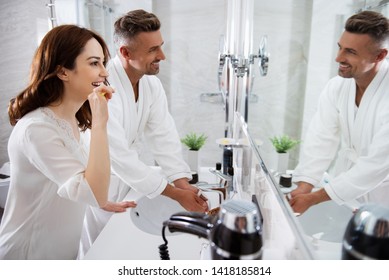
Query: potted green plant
point(283, 145)
point(194, 142)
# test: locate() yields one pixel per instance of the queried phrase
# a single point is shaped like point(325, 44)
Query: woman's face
point(88, 73)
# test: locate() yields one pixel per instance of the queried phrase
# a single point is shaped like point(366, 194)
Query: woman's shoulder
point(41, 125)
point(38, 116)
point(38, 123)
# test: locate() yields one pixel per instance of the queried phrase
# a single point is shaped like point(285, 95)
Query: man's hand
point(187, 197)
point(302, 188)
point(183, 184)
point(301, 202)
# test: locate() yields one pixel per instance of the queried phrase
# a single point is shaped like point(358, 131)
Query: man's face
point(357, 55)
point(146, 53)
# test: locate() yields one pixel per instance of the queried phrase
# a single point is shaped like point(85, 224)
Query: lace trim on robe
point(68, 136)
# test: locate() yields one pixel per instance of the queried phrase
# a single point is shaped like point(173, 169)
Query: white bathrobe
point(129, 123)
point(359, 135)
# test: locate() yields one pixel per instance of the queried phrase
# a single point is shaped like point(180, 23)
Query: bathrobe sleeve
point(46, 150)
point(162, 135)
point(321, 141)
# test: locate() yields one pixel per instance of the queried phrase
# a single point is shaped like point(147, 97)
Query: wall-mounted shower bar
point(52, 18)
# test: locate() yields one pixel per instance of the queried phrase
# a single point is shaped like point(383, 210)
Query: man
point(139, 110)
point(353, 120)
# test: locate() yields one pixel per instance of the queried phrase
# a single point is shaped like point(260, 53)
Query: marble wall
point(22, 25)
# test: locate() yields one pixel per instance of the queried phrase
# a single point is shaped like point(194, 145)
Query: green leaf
point(284, 143)
point(194, 141)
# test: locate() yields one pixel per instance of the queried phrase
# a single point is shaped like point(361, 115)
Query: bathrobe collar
point(120, 79)
point(357, 123)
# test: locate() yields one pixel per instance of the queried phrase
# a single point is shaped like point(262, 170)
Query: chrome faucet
point(226, 180)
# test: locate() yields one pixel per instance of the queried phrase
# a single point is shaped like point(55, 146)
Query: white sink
point(150, 214)
point(325, 224)
point(327, 219)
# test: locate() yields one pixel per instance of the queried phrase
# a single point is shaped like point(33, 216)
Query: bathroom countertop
point(122, 240)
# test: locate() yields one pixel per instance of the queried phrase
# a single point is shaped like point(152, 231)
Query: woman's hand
point(98, 169)
point(98, 103)
point(118, 206)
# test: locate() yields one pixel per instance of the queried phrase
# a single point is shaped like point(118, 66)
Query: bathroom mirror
point(281, 231)
point(301, 39)
point(302, 42)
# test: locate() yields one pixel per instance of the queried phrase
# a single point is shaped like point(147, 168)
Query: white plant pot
point(193, 160)
point(282, 162)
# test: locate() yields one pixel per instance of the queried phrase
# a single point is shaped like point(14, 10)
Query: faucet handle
point(220, 174)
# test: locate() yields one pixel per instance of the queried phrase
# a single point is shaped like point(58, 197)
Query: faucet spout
point(226, 180)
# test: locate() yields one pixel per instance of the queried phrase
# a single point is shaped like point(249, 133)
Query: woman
point(53, 176)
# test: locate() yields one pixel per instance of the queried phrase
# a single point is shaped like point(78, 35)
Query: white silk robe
point(48, 192)
point(358, 136)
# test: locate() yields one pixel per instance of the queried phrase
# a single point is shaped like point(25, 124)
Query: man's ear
point(125, 52)
point(382, 54)
point(62, 73)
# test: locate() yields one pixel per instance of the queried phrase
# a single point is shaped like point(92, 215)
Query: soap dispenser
point(227, 159)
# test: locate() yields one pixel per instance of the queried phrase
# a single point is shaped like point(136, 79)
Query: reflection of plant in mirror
point(284, 143)
point(194, 141)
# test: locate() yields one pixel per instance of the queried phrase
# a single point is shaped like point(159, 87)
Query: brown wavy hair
point(59, 48)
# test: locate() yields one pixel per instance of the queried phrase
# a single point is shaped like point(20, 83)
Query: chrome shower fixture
point(241, 64)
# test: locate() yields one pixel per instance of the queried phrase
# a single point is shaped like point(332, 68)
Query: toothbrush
point(107, 84)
